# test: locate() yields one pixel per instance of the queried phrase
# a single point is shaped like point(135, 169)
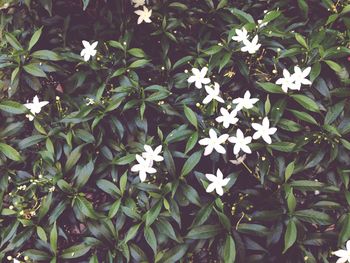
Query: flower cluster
point(34, 107)
point(295, 80)
point(241, 143)
point(145, 14)
point(249, 46)
point(146, 160)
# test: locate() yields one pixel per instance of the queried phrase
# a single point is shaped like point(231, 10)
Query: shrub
point(191, 131)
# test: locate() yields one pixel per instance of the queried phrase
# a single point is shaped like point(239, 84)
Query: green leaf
point(10, 152)
point(41, 233)
point(306, 102)
point(83, 174)
point(282, 146)
point(289, 171)
point(124, 160)
point(122, 182)
point(35, 38)
point(13, 41)
point(204, 232)
point(333, 112)
point(116, 44)
point(75, 251)
point(153, 213)
point(301, 40)
point(191, 162)
point(114, 208)
point(151, 239)
point(191, 142)
point(290, 235)
point(191, 116)
point(30, 141)
point(267, 106)
point(271, 15)
point(85, 207)
point(73, 157)
point(46, 55)
point(174, 254)
point(304, 116)
point(242, 16)
point(253, 229)
point(138, 63)
point(314, 217)
point(333, 65)
point(34, 70)
point(37, 255)
point(345, 230)
point(137, 52)
point(53, 238)
point(304, 7)
point(12, 107)
point(131, 233)
point(229, 250)
point(271, 88)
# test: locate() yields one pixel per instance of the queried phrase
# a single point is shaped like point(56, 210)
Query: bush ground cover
point(174, 131)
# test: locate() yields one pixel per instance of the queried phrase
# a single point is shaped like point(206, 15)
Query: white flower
point(144, 167)
point(263, 130)
point(240, 142)
point(227, 118)
point(213, 94)
point(213, 142)
point(261, 24)
point(287, 82)
point(88, 50)
point(152, 155)
point(239, 159)
point(199, 77)
point(144, 15)
point(245, 102)
point(16, 261)
point(241, 35)
point(218, 182)
point(344, 255)
point(35, 107)
point(90, 101)
point(300, 76)
point(138, 3)
point(251, 46)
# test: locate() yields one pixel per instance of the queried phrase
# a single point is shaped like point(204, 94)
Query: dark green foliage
point(66, 190)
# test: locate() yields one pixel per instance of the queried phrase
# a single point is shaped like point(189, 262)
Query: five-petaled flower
point(343, 254)
point(263, 130)
point(241, 34)
point(214, 142)
point(227, 118)
point(217, 182)
point(34, 107)
point(245, 102)
point(144, 167)
point(241, 142)
point(251, 46)
point(88, 50)
point(144, 15)
point(152, 155)
point(287, 82)
point(213, 93)
point(300, 76)
point(199, 77)
point(138, 3)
